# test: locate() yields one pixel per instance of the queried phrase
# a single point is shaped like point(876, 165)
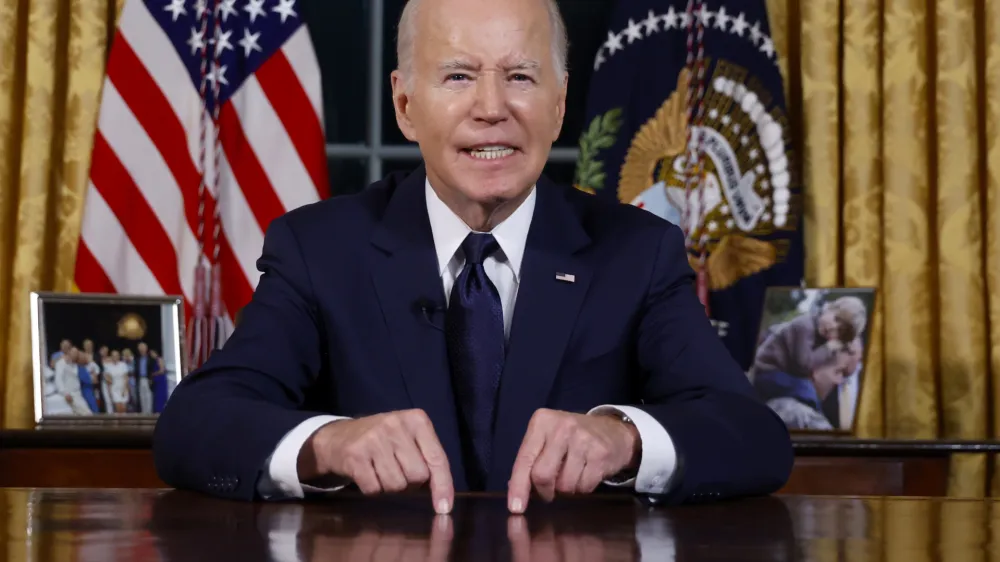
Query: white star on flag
point(226, 8)
point(652, 23)
point(249, 42)
point(286, 8)
point(722, 19)
point(614, 43)
point(740, 24)
point(255, 8)
point(197, 40)
point(176, 9)
point(221, 40)
point(633, 31)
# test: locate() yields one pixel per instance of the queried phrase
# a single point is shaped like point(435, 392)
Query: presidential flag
point(686, 118)
point(210, 126)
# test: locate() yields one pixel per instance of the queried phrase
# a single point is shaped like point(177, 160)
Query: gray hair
point(407, 31)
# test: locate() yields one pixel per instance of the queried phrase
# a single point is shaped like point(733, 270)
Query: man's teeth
point(491, 152)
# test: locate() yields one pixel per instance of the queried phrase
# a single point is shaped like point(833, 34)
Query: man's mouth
point(490, 152)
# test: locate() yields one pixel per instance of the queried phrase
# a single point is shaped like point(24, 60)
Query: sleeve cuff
point(659, 457)
point(280, 479)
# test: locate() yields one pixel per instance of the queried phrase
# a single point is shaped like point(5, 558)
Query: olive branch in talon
point(600, 135)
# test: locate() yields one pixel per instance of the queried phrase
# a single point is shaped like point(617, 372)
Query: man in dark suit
point(383, 348)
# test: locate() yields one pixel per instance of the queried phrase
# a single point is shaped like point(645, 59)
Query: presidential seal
point(743, 191)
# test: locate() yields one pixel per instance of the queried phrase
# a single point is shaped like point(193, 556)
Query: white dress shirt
point(659, 458)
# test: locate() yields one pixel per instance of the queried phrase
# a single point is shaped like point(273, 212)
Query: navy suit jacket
point(343, 322)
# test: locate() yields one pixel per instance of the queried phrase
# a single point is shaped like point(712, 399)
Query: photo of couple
point(809, 364)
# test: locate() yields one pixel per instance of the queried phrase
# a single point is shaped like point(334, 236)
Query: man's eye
point(457, 76)
point(521, 78)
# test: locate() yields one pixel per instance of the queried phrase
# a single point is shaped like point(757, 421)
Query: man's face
point(115, 357)
point(65, 346)
point(486, 103)
point(143, 349)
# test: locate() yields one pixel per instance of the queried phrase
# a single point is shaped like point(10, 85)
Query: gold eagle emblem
point(732, 205)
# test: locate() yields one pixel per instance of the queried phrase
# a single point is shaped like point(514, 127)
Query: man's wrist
point(311, 465)
point(632, 440)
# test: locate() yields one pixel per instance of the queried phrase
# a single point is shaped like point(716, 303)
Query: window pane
point(390, 131)
point(347, 175)
point(586, 26)
point(339, 33)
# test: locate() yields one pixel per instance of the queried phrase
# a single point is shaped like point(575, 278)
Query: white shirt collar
point(449, 230)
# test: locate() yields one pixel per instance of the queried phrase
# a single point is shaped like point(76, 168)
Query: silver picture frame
point(115, 325)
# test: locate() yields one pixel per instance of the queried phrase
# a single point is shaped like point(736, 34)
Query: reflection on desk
point(89, 525)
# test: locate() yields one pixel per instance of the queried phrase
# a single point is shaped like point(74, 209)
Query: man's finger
point(545, 473)
point(365, 478)
point(390, 474)
point(590, 478)
point(411, 460)
point(569, 476)
point(442, 487)
point(519, 486)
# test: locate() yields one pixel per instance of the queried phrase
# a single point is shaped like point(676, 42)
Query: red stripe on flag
point(89, 275)
point(259, 193)
point(154, 113)
point(134, 214)
point(236, 290)
point(282, 87)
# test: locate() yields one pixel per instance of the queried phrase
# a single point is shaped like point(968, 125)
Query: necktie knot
point(478, 246)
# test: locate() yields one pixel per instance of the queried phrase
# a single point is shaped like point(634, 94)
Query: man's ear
point(401, 103)
point(561, 107)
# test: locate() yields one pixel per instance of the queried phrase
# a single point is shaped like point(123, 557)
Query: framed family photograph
point(104, 360)
point(809, 365)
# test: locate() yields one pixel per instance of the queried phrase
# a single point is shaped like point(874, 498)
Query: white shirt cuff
point(281, 477)
point(659, 457)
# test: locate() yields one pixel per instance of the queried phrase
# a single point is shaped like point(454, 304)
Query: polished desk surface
point(109, 525)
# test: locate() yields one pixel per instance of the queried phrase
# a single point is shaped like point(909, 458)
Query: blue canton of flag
point(738, 200)
point(233, 39)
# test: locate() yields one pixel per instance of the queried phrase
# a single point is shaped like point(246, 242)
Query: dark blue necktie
point(474, 328)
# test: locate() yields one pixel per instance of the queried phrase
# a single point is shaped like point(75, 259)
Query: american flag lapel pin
point(567, 277)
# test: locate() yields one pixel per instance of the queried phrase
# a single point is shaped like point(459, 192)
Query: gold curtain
point(898, 127)
point(52, 58)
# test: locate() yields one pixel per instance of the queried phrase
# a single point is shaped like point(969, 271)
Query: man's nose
point(491, 101)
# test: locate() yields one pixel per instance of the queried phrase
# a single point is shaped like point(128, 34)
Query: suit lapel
point(407, 279)
point(544, 314)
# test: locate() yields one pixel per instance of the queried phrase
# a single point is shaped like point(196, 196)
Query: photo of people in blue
point(809, 363)
point(106, 359)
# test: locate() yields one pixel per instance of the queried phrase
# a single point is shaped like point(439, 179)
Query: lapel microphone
point(432, 312)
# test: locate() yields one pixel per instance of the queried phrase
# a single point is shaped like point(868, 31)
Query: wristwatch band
point(628, 474)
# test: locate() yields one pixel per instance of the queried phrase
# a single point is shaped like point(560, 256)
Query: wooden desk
point(168, 526)
point(823, 465)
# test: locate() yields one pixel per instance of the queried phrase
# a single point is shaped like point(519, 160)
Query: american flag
point(195, 86)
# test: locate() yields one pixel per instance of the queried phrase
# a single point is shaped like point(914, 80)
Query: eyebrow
point(519, 64)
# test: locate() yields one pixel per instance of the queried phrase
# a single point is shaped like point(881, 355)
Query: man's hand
point(389, 452)
point(570, 454)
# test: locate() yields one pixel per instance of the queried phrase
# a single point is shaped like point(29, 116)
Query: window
point(355, 45)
